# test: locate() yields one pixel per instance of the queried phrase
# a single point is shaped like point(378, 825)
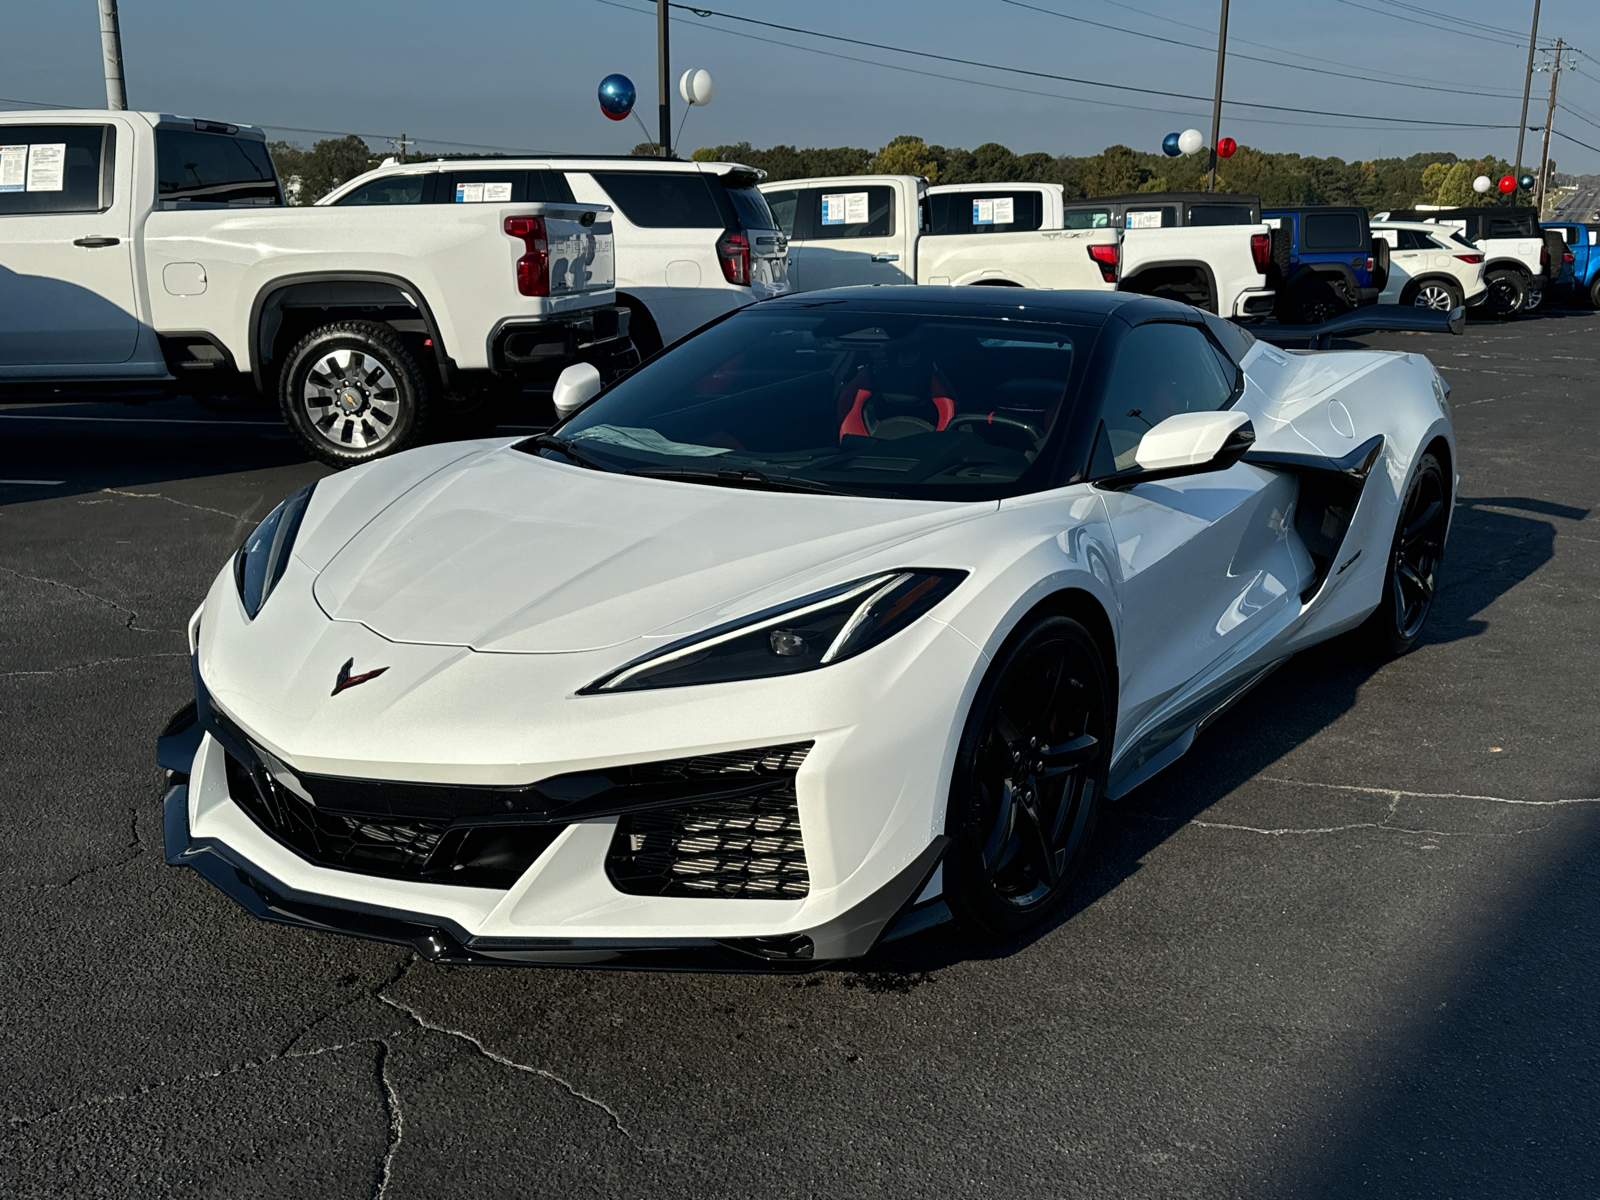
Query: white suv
point(693, 240)
point(1430, 266)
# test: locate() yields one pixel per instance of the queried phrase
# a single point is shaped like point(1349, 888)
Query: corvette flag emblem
point(347, 680)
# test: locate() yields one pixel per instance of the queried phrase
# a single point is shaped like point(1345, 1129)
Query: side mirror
point(575, 387)
point(1188, 444)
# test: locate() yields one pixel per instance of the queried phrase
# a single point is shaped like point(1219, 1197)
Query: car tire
point(1506, 293)
point(1411, 580)
point(1534, 300)
point(353, 391)
point(1030, 771)
point(1594, 293)
point(1314, 301)
point(1437, 295)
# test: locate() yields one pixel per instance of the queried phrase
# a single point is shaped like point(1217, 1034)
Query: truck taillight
point(533, 268)
point(1107, 257)
point(1471, 260)
point(733, 252)
point(1261, 250)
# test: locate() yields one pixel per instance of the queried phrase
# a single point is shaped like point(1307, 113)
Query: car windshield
point(863, 403)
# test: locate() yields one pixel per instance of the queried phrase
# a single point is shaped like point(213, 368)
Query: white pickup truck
point(1516, 258)
point(1212, 250)
point(866, 229)
point(146, 249)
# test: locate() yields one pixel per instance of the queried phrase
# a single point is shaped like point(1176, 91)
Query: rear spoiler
point(1374, 318)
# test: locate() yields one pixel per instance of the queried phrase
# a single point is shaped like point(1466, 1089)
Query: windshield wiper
point(549, 441)
point(756, 480)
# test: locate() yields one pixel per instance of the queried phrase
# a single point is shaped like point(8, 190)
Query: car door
point(66, 257)
point(1204, 561)
point(848, 234)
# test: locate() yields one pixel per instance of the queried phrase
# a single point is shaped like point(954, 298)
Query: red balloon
point(1226, 147)
point(1508, 184)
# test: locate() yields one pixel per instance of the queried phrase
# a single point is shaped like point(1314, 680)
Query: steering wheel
point(995, 421)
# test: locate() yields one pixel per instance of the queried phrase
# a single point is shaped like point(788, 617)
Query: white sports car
point(837, 619)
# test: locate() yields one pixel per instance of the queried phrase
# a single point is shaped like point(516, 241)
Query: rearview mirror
point(575, 387)
point(1188, 444)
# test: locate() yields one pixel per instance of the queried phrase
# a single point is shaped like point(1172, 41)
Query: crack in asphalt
point(495, 1056)
point(1399, 792)
point(101, 662)
point(180, 503)
point(397, 1123)
point(132, 616)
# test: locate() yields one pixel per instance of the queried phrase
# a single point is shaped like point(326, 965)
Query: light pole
point(1527, 86)
point(1216, 104)
point(663, 74)
point(111, 51)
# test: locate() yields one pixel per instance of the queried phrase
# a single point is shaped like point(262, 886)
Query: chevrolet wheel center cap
point(349, 400)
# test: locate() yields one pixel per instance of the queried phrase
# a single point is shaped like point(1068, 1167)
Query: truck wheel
point(1507, 293)
point(353, 391)
point(1314, 302)
point(1438, 294)
point(1534, 300)
point(1594, 293)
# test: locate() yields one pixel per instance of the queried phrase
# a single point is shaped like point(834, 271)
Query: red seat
point(855, 396)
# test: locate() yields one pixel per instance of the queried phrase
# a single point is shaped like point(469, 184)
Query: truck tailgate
point(1040, 258)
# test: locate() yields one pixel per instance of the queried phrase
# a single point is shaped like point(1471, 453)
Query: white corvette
point(839, 618)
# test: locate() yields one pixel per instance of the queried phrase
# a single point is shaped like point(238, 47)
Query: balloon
point(696, 87)
point(1191, 140)
point(1226, 147)
point(1507, 184)
point(1169, 146)
point(617, 96)
point(1481, 184)
point(1526, 182)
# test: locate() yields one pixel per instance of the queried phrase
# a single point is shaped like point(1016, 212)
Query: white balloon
point(1482, 184)
point(696, 87)
point(1191, 140)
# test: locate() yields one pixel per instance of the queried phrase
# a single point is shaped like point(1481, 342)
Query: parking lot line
point(136, 420)
point(34, 482)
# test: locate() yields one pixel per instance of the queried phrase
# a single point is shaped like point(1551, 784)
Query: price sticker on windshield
point(844, 208)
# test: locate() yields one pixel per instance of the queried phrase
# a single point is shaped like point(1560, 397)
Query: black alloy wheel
point(1412, 579)
point(1028, 778)
point(1506, 294)
point(1316, 301)
point(352, 391)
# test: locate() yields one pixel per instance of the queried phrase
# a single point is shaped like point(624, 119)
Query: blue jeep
point(1580, 280)
point(1326, 262)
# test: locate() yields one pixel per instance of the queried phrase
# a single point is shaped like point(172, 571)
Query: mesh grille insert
point(748, 846)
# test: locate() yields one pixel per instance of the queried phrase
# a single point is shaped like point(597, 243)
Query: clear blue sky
point(522, 73)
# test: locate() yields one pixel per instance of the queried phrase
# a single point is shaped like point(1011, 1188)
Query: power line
point(1250, 57)
point(1458, 19)
point(1384, 12)
point(1122, 87)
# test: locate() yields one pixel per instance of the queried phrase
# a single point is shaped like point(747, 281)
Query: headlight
point(261, 561)
point(825, 628)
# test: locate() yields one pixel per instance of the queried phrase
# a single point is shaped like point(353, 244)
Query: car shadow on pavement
point(1492, 548)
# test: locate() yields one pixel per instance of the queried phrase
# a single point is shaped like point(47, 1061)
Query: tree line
point(1377, 184)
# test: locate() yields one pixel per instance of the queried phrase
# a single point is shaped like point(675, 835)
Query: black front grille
point(429, 850)
point(746, 846)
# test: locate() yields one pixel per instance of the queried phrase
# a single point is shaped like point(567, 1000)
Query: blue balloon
point(617, 95)
point(1170, 147)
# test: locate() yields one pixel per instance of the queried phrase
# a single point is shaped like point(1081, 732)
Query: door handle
point(885, 258)
point(96, 243)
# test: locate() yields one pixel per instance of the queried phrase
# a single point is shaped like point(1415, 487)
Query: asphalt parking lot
point(1346, 947)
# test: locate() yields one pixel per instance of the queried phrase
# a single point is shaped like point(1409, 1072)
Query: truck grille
point(748, 847)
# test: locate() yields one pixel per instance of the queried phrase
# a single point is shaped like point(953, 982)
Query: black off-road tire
point(1314, 301)
point(1594, 293)
point(383, 398)
point(1411, 579)
point(1006, 805)
point(1507, 292)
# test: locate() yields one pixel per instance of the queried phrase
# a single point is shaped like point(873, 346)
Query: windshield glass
point(864, 403)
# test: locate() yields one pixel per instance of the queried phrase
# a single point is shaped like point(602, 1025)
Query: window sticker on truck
point(844, 208)
point(45, 167)
point(483, 193)
point(999, 211)
point(13, 167)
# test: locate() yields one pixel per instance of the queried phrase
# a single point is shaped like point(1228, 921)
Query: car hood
point(513, 553)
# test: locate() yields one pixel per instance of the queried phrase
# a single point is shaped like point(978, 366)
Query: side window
point(214, 168)
point(1164, 217)
point(1219, 214)
point(663, 199)
point(1160, 370)
point(551, 186)
point(1086, 218)
point(391, 189)
point(1332, 232)
point(782, 205)
point(1415, 239)
point(55, 168)
point(482, 187)
point(842, 212)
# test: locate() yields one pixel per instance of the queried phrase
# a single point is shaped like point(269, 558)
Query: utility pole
point(663, 77)
point(1527, 86)
point(400, 145)
point(111, 51)
point(1216, 105)
point(1549, 119)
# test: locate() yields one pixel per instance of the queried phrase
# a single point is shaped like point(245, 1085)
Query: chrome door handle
point(96, 243)
point(885, 258)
